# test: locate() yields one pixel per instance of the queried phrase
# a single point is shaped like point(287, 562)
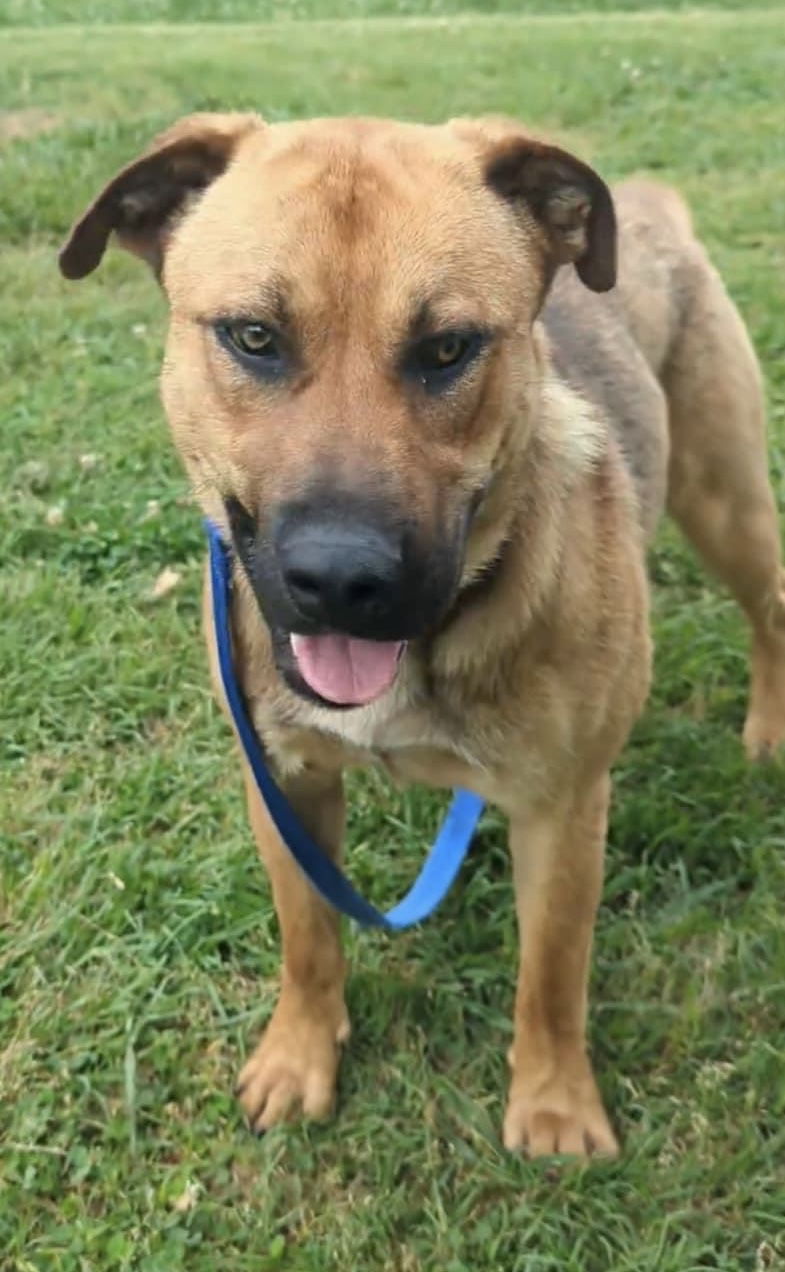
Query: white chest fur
point(405, 717)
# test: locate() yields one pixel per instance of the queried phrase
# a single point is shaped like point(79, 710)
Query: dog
point(436, 386)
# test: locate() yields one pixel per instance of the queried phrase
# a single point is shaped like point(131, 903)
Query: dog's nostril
point(339, 576)
point(360, 591)
point(305, 583)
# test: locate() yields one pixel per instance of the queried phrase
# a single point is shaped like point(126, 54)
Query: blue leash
point(452, 842)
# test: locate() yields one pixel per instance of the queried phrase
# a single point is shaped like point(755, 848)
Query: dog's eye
point(438, 360)
point(443, 351)
point(253, 339)
point(255, 346)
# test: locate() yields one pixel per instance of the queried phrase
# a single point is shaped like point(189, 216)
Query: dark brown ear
point(142, 201)
point(573, 205)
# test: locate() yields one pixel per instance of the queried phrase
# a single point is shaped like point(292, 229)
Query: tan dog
point(439, 464)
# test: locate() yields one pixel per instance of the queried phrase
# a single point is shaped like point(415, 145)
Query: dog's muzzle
point(343, 587)
point(349, 580)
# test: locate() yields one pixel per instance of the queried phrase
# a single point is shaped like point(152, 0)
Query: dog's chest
point(399, 729)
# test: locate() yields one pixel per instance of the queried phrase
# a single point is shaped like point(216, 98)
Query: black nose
point(345, 576)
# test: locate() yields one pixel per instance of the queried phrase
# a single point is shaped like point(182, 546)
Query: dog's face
point(350, 354)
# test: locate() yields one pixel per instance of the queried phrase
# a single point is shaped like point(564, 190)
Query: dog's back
point(629, 350)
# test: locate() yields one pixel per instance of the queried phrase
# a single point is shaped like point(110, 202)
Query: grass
point(138, 949)
point(44, 12)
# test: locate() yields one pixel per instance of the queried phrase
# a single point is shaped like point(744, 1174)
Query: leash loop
point(452, 841)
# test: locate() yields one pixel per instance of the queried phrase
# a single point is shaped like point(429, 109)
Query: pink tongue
point(342, 669)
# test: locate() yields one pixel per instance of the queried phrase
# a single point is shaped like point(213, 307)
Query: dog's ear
point(567, 198)
point(141, 203)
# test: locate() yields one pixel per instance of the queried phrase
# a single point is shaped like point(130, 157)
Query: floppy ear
point(568, 199)
point(142, 202)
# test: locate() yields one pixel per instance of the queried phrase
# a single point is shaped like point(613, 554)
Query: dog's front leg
point(554, 1105)
point(294, 1068)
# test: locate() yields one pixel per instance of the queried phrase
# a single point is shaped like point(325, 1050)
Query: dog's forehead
point(349, 207)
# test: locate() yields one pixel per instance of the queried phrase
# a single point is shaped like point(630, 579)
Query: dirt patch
point(18, 124)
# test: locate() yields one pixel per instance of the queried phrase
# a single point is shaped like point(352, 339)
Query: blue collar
point(452, 842)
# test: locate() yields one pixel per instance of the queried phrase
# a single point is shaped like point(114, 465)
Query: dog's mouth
point(346, 670)
point(342, 594)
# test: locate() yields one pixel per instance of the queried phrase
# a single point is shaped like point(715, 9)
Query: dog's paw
point(558, 1117)
point(763, 735)
point(292, 1073)
point(764, 728)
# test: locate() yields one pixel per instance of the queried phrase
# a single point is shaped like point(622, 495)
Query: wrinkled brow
point(268, 301)
point(432, 315)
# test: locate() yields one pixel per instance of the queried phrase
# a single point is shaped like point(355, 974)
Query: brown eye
point(255, 346)
point(439, 360)
point(447, 350)
point(254, 339)
point(439, 353)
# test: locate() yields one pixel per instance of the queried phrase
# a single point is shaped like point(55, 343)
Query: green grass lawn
point(45, 12)
point(138, 949)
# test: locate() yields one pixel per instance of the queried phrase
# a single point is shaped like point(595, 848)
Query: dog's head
point(350, 357)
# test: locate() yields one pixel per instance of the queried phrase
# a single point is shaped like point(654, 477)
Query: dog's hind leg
point(294, 1068)
point(719, 489)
